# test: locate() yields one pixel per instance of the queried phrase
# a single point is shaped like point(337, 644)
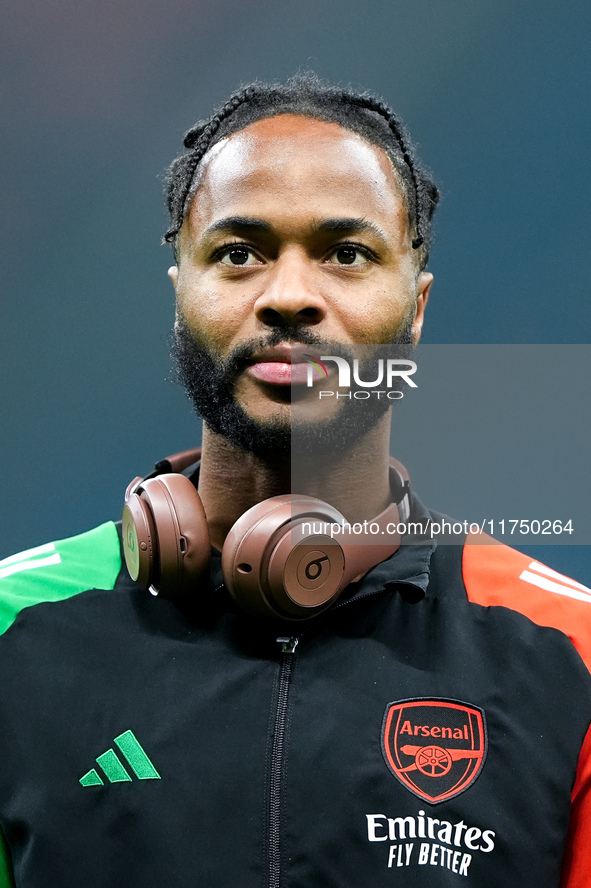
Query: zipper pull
point(288, 645)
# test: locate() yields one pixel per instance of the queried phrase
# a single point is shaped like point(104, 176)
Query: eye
point(349, 254)
point(238, 255)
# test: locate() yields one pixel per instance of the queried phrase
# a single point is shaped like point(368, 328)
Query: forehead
point(302, 165)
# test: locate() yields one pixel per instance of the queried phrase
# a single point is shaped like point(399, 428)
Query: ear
point(173, 274)
point(424, 281)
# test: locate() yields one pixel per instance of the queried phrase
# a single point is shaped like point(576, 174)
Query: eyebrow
point(249, 224)
point(350, 226)
point(240, 224)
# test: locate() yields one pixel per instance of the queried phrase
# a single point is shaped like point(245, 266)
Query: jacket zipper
point(288, 646)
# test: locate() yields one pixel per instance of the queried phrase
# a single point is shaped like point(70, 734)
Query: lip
point(279, 366)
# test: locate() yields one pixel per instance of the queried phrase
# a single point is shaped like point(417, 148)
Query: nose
point(291, 296)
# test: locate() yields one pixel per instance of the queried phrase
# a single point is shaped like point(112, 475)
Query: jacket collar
point(407, 571)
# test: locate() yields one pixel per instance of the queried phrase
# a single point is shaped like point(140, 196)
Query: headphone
point(288, 557)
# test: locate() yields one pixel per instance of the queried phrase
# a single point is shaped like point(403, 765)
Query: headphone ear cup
point(139, 537)
point(274, 566)
point(166, 517)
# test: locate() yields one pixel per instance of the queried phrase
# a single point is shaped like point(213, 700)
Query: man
point(427, 723)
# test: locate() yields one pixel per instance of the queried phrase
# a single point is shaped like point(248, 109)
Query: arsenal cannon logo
point(435, 747)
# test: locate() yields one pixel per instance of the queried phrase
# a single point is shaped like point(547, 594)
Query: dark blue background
point(96, 98)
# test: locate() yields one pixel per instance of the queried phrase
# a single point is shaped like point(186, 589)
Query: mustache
point(241, 357)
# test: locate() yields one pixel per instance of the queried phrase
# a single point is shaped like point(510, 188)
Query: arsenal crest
point(435, 747)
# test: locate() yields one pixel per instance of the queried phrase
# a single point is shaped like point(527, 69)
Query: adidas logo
point(111, 764)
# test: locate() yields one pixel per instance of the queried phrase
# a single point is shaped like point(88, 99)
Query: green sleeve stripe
point(6, 876)
point(56, 571)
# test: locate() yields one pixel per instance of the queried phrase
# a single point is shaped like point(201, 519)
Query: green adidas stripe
point(113, 767)
point(60, 570)
point(92, 779)
point(135, 755)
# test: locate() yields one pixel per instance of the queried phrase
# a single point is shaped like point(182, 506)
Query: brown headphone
point(288, 557)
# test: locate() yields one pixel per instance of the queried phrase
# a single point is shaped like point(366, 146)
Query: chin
point(270, 417)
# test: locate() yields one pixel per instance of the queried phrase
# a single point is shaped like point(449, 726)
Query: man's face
point(298, 231)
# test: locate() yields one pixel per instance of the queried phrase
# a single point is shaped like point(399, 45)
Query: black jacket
point(390, 741)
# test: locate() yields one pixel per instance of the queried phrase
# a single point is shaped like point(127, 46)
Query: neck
point(231, 480)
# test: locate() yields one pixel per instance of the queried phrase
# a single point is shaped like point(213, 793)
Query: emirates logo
point(435, 748)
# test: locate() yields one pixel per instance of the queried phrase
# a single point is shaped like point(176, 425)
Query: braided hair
point(307, 96)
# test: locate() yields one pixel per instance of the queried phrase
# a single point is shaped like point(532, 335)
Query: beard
point(210, 384)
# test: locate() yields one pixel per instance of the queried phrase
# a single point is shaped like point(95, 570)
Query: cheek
point(380, 319)
point(206, 316)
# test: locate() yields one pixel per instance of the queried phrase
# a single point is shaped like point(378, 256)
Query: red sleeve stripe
point(576, 867)
point(496, 575)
